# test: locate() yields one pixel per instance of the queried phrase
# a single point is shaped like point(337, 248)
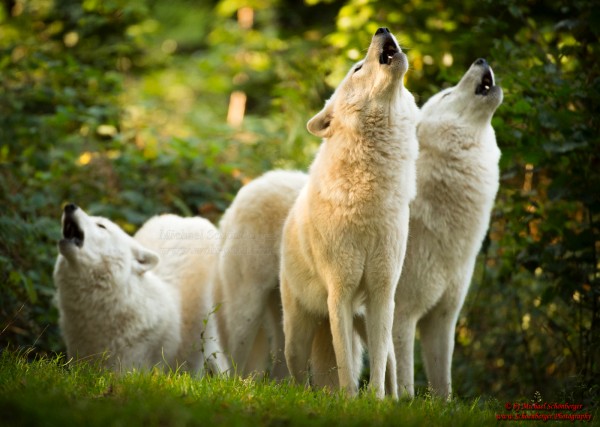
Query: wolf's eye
point(101, 226)
point(358, 68)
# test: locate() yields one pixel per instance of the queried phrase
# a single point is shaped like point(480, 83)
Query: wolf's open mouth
point(72, 232)
point(487, 81)
point(388, 52)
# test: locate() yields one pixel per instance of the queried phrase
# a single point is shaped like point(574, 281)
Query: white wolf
point(457, 181)
point(110, 302)
point(247, 275)
point(247, 282)
point(345, 237)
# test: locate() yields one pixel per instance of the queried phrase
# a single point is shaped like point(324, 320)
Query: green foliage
point(544, 256)
point(64, 137)
point(122, 108)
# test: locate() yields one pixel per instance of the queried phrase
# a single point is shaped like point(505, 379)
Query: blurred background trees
point(133, 108)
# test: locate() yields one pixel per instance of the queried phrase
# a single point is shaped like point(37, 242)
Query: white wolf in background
point(188, 250)
point(457, 181)
point(247, 273)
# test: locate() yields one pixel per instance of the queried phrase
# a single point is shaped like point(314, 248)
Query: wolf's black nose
point(382, 30)
point(480, 61)
point(70, 208)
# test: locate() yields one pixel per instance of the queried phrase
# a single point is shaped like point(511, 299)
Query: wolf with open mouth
point(118, 304)
point(457, 182)
point(111, 306)
point(345, 237)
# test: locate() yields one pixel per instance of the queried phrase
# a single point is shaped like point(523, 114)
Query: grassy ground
point(52, 392)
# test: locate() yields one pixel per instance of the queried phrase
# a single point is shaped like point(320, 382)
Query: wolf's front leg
point(404, 342)
point(341, 319)
point(437, 342)
point(391, 379)
point(379, 319)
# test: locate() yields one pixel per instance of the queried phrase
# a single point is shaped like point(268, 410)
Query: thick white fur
point(188, 250)
point(457, 181)
point(247, 276)
point(345, 237)
point(112, 307)
point(116, 300)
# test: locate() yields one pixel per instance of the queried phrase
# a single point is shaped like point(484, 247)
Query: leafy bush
point(63, 139)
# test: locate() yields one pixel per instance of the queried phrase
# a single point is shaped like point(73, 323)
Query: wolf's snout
point(70, 208)
point(481, 61)
point(388, 45)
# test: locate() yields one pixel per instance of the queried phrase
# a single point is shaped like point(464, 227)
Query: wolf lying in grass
point(118, 304)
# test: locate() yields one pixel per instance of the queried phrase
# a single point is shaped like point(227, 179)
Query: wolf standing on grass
point(246, 276)
point(345, 237)
point(457, 181)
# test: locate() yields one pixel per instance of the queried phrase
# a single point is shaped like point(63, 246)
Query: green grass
point(53, 392)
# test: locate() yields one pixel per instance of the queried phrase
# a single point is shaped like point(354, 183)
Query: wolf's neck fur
point(372, 164)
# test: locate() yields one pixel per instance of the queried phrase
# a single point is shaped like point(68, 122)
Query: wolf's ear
point(143, 259)
point(319, 125)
